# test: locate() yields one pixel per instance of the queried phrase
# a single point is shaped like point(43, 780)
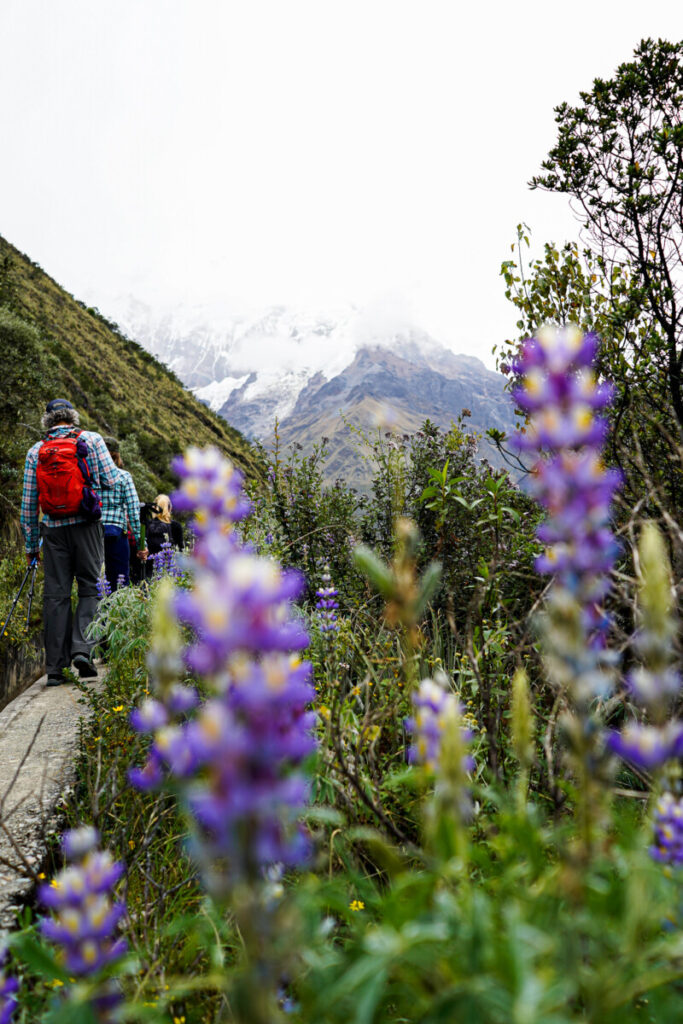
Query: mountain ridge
point(326, 374)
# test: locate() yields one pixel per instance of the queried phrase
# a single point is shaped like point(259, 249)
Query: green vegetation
point(488, 828)
point(51, 345)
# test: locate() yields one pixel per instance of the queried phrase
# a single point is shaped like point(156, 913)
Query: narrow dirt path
point(38, 741)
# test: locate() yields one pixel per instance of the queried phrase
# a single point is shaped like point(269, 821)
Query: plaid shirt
point(102, 470)
point(121, 505)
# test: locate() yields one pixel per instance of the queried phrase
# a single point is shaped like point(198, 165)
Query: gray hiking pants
point(70, 552)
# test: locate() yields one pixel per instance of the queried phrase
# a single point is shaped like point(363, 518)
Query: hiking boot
point(84, 666)
point(55, 681)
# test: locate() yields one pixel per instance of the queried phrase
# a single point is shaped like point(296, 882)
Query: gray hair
point(60, 415)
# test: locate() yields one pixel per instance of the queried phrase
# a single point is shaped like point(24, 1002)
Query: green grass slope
point(116, 385)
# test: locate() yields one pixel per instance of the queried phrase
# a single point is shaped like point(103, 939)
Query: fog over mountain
point(318, 371)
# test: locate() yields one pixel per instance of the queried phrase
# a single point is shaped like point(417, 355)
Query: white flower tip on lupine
point(80, 841)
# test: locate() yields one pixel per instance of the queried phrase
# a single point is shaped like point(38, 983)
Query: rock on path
point(38, 741)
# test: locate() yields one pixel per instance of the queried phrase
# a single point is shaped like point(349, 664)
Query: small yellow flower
point(356, 905)
point(119, 707)
point(131, 844)
point(56, 983)
point(41, 876)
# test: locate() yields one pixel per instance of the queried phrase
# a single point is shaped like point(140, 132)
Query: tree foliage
point(573, 285)
point(619, 156)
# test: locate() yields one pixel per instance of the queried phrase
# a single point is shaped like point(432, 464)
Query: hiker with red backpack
point(63, 477)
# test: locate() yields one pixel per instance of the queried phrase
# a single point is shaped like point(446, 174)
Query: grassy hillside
point(117, 386)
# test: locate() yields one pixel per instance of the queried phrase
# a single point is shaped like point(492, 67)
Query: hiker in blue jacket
point(120, 511)
point(65, 473)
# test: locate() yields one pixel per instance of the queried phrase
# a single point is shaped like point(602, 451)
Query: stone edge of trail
point(39, 732)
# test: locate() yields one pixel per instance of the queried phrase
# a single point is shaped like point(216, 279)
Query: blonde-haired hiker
point(163, 529)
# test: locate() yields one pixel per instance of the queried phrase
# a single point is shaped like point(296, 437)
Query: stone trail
point(38, 741)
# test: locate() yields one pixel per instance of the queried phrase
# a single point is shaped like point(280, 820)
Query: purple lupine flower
point(150, 716)
point(435, 708)
point(103, 586)
point(246, 795)
point(85, 918)
point(165, 562)
point(668, 823)
point(238, 603)
point(327, 603)
point(647, 746)
point(558, 389)
point(210, 488)
point(8, 992)
point(237, 762)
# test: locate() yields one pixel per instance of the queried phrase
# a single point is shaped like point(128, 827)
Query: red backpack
point(64, 481)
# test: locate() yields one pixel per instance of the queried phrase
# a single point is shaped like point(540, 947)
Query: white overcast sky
point(303, 152)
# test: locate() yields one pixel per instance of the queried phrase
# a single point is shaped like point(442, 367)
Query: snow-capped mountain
point(259, 364)
point(309, 370)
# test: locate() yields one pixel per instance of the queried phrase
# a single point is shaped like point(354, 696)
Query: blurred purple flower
point(85, 917)
point(210, 488)
point(246, 796)
point(668, 823)
point(434, 706)
point(8, 992)
point(647, 746)
point(239, 603)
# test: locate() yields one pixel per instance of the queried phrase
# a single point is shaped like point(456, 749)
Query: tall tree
point(619, 156)
point(570, 285)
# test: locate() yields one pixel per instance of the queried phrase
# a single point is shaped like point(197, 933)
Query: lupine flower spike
point(85, 917)
point(327, 603)
point(8, 992)
point(440, 739)
point(440, 745)
point(165, 562)
point(557, 387)
point(656, 683)
point(668, 844)
point(236, 761)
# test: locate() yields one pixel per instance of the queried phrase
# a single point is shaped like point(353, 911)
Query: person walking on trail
point(120, 511)
point(163, 529)
point(64, 475)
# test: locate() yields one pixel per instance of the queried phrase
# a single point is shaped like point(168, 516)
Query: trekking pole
point(16, 599)
point(34, 563)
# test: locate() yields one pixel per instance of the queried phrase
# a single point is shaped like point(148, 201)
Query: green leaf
point(375, 569)
point(429, 585)
point(36, 956)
